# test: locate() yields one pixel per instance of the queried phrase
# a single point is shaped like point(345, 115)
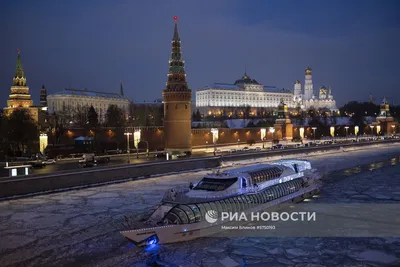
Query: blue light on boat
point(152, 240)
point(185, 230)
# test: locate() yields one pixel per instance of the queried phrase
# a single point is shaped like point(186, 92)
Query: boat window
point(258, 199)
point(244, 183)
point(207, 207)
point(228, 205)
point(295, 168)
point(219, 206)
point(242, 202)
point(211, 184)
point(189, 213)
point(238, 203)
point(196, 212)
point(223, 206)
point(233, 204)
point(203, 209)
point(182, 215)
point(172, 218)
point(270, 195)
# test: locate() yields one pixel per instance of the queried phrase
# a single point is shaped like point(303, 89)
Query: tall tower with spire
point(20, 97)
point(177, 100)
point(43, 96)
point(308, 85)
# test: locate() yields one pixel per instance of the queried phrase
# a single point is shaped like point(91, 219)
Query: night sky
point(352, 46)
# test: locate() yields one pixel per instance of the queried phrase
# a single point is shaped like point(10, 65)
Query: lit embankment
point(38, 184)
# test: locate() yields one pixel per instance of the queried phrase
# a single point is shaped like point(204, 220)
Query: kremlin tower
point(20, 97)
point(177, 100)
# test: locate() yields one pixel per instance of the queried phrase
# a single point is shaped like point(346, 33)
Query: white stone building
point(71, 99)
point(244, 92)
point(248, 92)
point(308, 99)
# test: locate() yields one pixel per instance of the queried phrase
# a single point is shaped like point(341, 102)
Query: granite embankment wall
point(18, 186)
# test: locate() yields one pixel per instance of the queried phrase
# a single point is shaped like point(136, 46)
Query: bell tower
point(177, 100)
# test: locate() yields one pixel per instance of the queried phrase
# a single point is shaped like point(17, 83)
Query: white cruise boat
point(184, 214)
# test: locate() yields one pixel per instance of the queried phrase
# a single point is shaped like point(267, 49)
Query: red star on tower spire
point(19, 50)
point(175, 18)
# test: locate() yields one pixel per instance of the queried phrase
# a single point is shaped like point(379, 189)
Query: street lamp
point(136, 136)
point(127, 144)
point(238, 142)
point(372, 129)
point(215, 138)
point(206, 146)
point(347, 128)
point(314, 128)
point(393, 126)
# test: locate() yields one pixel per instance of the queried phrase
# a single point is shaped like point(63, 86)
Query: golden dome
point(308, 70)
point(297, 82)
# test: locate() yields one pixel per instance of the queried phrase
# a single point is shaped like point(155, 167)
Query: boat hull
point(186, 232)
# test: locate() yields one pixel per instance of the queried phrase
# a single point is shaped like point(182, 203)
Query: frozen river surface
point(80, 227)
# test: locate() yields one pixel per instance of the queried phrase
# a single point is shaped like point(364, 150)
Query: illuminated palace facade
point(248, 92)
point(71, 99)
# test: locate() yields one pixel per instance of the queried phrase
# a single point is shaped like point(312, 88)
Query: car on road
point(278, 146)
point(258, 148)
point(246, 148)
point(160, 155)
point(36, 164)
point(49, 161)
point(103, 160)
point(88, 164)
point(299, 145)
point(232, 150)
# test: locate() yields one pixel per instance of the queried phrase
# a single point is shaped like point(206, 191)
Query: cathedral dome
point(297, 82)
point(323, 87)
point(246, 80)
point(308, 70)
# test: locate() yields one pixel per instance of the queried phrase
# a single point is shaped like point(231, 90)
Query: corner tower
point(177, 99)
point(19, 97)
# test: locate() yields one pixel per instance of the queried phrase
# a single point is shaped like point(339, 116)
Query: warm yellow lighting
point(332, 131)
point(263, 133)
point(43, 142)
point(136, 137)
point(302, 132)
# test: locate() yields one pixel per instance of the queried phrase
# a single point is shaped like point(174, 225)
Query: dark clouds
point(94, 44)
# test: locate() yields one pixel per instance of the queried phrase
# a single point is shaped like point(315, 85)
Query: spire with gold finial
point(176, 73)
point(19, 77)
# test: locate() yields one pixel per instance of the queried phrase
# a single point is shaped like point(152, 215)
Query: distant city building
point(20, 97)
point(71, 99)
point(248, 92)
point(308, 99)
